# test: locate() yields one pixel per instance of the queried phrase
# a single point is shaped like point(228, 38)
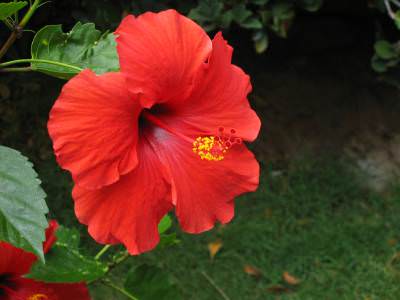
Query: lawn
point(312, 220)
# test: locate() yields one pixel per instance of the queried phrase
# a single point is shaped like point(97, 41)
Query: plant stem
point(389, 9)
point(111, 265)
point(9, 70)
point(102, 251)
point(119, 289)
point(45, 61)
point(396, 2)
point(212, 282)
point(20, 26)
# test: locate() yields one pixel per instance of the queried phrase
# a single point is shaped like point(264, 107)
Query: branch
point(18, 28)
point(9, 70)
point(119, 289)
point(396, 2)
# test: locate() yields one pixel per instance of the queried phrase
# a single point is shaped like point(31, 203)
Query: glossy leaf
point(83, 47)
point(259, 2)
point(311, 5)
point(10, 8)
point(378, 65)
point(22, 204)
point(260, 41)
point(207, 10)
point(397, 19)
point(150, 282)
point(385, 50)
point(167, 240)
point(241, 13)
point(64, 262)
point(164, 224)
point(68, 237)
point(252, 23)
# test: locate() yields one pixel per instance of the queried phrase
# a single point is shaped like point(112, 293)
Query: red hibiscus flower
point(15, 263)
point(165, 132)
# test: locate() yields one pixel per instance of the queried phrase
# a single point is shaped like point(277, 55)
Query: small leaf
point(83, 47)
point(10, 8)
point(167, 240)
point(150, 282)
point(378, 65)
point(252, 23)
point(252, 271)
point(207, 10)
point(283, 10)
point(385, 50)
point(241, 13)
point(290, 279)
point(259, 2)
point(64, 262)
point(214, 247)
point(226, 19)
point(22, 205)
point(164, 224)
point(397, 19)
point(261, 43)
point(311, 5)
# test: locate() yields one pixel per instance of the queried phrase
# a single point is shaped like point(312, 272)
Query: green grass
point(312, 221)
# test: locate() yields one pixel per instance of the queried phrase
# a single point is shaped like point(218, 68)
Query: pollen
point(38, 297)
point(214, 148)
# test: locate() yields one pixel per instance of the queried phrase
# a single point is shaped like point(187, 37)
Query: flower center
point(213, 148)
point(38, 297)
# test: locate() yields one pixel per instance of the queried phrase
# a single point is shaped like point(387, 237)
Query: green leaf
point(311, 5)
point(150, 282)
point(241, 13)
point(68, 237)
point(83, 47)
point(378, 65)
point(283, 11)
point(10, 8)
point(207, 10)
point(259, 2)
point(260, 41)
point(167, 240)
point(164, 224)
point(64, 262)
point(226, 19)
point(22, 204)
point(385, 50)
point(252, 23)
point(397, 19)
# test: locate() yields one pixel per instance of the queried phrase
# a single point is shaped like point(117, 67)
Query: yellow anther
point(209, 148)
point(38, 297)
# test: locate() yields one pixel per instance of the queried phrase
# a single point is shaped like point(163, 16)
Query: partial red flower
point(166, 132)
point(15, 263)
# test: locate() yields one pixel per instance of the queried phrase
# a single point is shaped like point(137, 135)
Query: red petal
point(203, 191)
point(15, 261)
point(76, 291)
point(50, 235)
point(26, 289)
point(127, 211)
point(219, 99)
point(93, 125)
point(160, 53)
